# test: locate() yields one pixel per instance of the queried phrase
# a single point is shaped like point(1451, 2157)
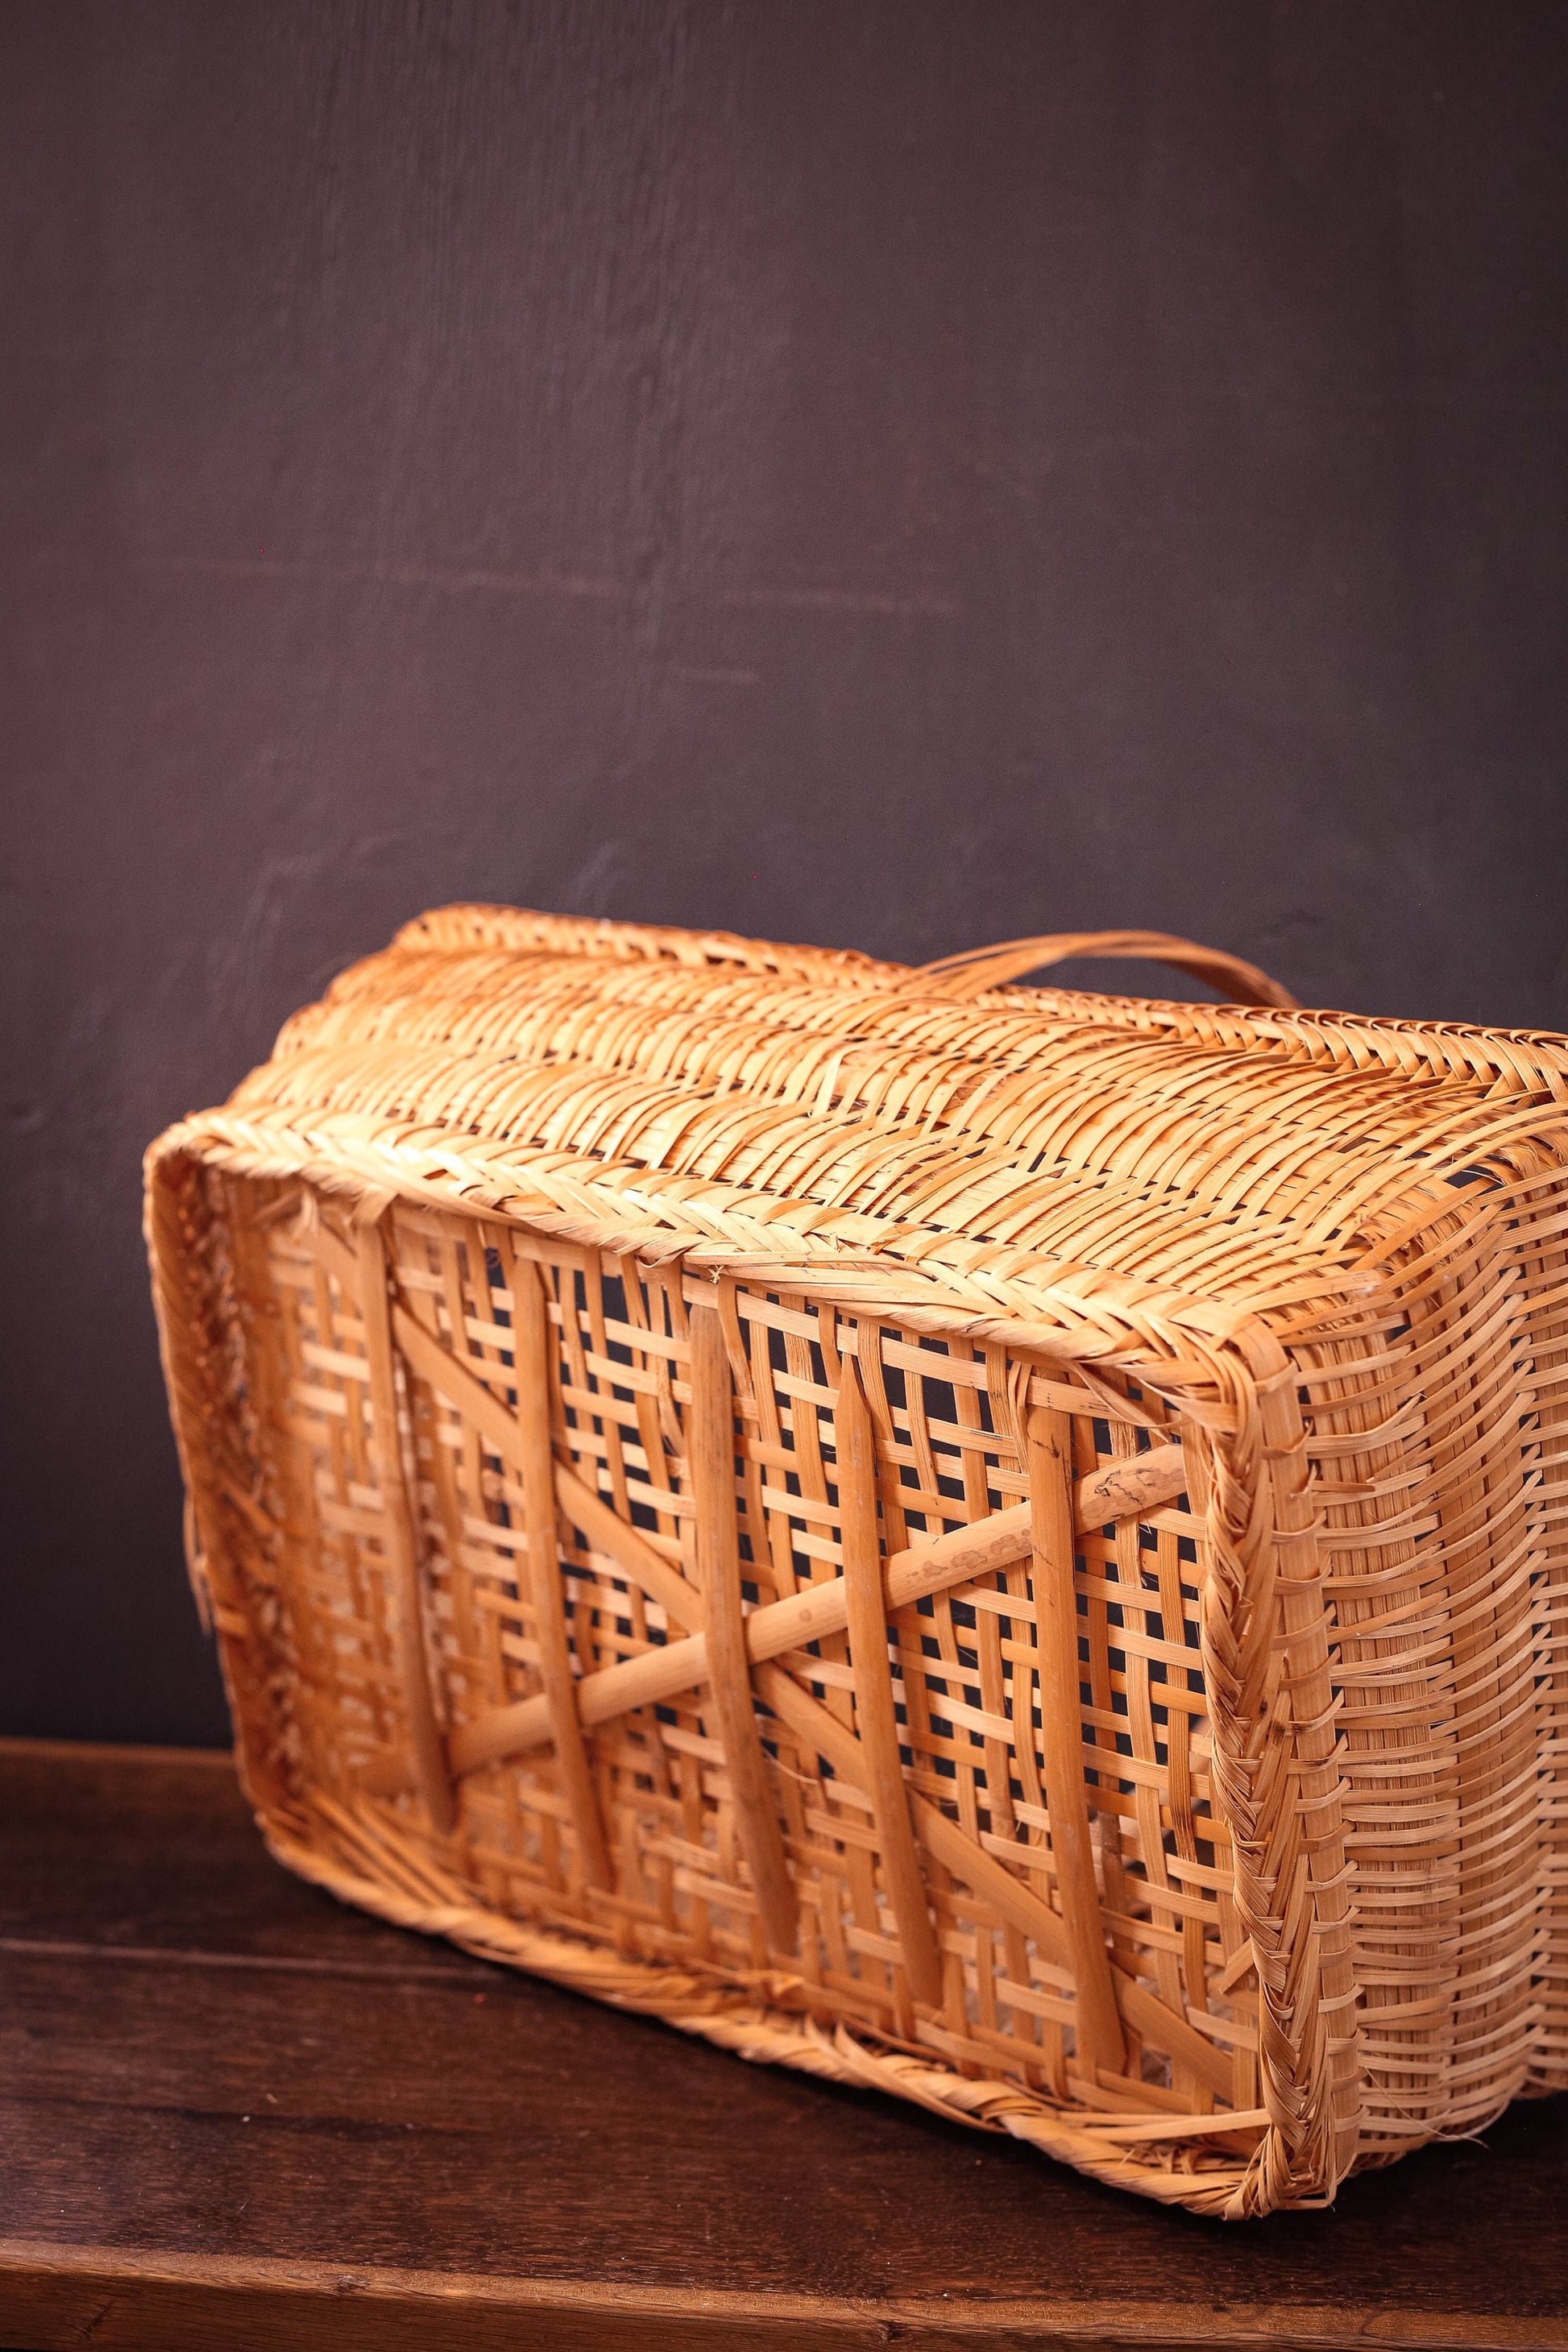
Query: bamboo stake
point(431, 1774)
point(530, 1326)
point(1099, 2025)
point(711, 1454)
point(866, 1601)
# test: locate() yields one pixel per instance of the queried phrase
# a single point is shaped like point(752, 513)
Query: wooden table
point(233, 2114)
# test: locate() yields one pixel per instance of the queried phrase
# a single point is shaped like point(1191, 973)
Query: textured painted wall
point(903, 473)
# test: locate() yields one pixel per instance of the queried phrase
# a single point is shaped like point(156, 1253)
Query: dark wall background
point(898, 472)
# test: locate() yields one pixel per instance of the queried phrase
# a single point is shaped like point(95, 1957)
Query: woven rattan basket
point(998, 1544)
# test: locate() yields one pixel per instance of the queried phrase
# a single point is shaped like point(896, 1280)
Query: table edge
point(123, 2290)
point(21, 1745)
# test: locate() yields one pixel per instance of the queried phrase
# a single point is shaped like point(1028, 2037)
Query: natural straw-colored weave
point(995, 1543)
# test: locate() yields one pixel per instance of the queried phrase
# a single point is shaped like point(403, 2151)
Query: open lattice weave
point(995, 1543)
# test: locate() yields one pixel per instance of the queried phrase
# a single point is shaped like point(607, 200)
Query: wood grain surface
point(233, 2113)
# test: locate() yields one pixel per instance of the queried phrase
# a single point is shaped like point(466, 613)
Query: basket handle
point(982, 968)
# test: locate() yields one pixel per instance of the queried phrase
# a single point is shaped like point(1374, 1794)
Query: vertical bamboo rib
point(1100, 2036)
point(875, 1721)
point(530, 1326)
point(407, 1614)
point(711, 1452)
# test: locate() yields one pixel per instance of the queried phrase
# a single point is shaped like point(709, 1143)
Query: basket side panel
point(1396, 1720)
point(231, 1539)
point(299, 1486)
point(1444, 1560)
point(965, 1663)
point(1537, 1242)
point(975, 1670)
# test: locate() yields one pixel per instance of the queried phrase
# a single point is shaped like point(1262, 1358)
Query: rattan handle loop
point(982, 967)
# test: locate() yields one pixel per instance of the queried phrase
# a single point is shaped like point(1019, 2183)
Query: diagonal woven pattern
point(996, 1543)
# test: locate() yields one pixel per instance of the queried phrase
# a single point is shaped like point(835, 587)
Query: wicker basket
point(998, 1544)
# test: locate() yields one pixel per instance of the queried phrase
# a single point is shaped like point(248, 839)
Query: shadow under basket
point(997, 1544)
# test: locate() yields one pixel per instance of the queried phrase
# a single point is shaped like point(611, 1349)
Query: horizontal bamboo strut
point(661, 1419)
point(809, 1615)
